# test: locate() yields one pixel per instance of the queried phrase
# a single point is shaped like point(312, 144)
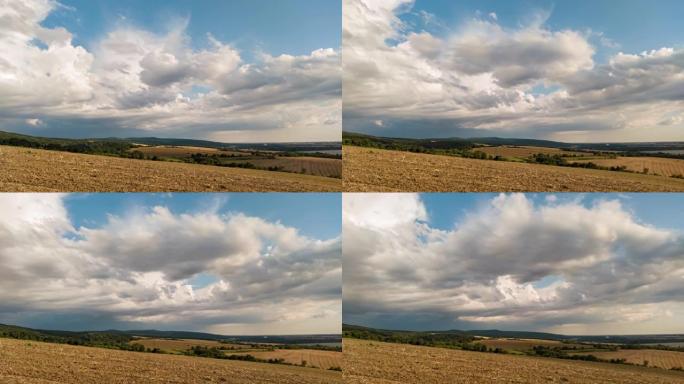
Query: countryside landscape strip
point(586, 348)
point(241, 348)
point(39, 362)
point(512, 288)
point(376, 164)
point(37, 170)
point(148, 312)
point(380, 170)
point(299, 158)
point(374, 362)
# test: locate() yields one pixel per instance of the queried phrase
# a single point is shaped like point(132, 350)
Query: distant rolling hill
point(395, 143)
point(380, 334)
point(123, 336)
point(114, 145)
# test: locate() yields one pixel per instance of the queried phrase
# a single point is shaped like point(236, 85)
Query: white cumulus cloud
point(482, 78)
point(134, 80)
point(139, 269)
point(513, 263)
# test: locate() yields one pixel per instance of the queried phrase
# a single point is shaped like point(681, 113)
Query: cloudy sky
point(235, 71)
point(579, 71)
point(229, 264)
point(568, 263)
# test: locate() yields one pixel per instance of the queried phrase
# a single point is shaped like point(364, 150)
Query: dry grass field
point(313, 358)
point(516, 152)
point(655, 165)
point(24, 362)
point(367, 362)
point(373, 170)
point(655, 358)
point(31, 170)
point(180, 345)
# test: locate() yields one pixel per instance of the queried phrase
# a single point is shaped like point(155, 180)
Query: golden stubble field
point(29, 362)
point(524, 344)
point(32, 170)
point(181, 345)
point(313, 358)
point(370, 362)
point(654, 357)
point(310, 165)
point(511, 151)
point(374, 170)
point(652, 165)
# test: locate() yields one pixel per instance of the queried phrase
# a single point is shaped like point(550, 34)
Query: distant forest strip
point(446, 144)
point(97, 147)
point(89, 339)
point(118, 146)
point(457, 340)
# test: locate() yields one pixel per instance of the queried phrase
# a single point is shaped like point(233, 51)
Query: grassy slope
point(27, 170)
point(374, 170)
point(371, 362)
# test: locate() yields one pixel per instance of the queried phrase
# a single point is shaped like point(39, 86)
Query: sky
point(580, 71)
point(574, 264)
point(231, 264)
point(237, 71)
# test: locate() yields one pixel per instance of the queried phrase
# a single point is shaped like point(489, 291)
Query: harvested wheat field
point(654, 357)
point(313, 357)
point(32, 170)
point(318, 166)
point(653, 165)
point(521, 152)
point(180, 345)
point(29, 362)
point(374, 170)
point(524, 344)
point(370, 362)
